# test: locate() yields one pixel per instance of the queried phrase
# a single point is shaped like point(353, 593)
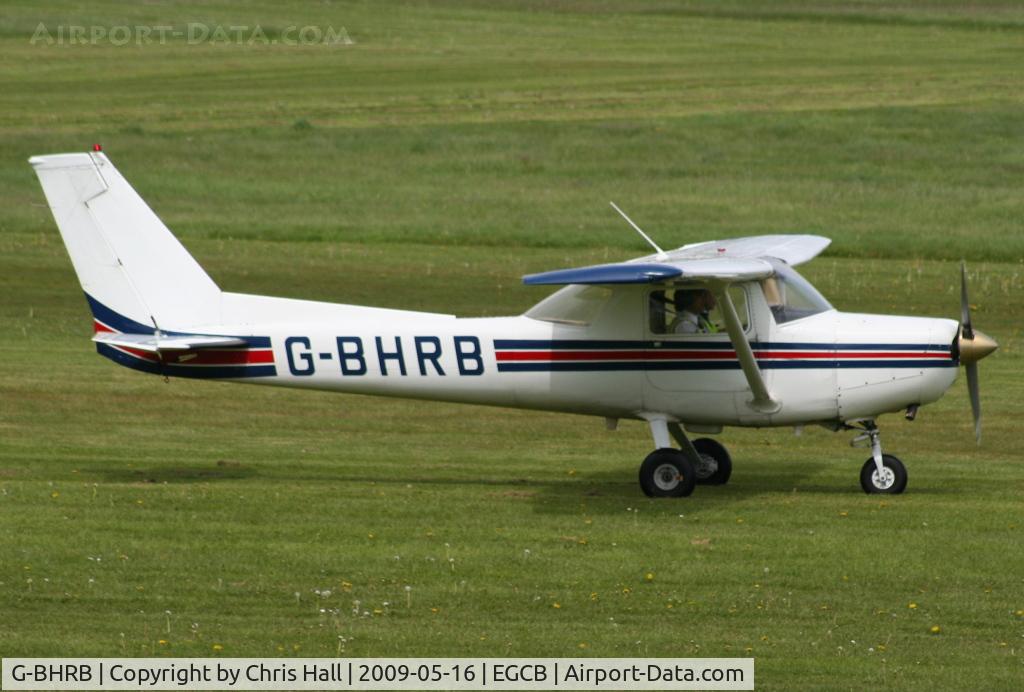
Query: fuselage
point(825, 367)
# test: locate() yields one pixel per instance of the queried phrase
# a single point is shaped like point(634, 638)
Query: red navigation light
point(97, 147)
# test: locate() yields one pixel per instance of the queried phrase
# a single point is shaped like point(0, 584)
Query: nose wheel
point(882, 474)
point(890, 480)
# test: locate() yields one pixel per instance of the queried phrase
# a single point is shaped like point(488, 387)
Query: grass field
point(454, 147)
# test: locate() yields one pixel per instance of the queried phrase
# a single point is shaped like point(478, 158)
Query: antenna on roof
point(661, 253)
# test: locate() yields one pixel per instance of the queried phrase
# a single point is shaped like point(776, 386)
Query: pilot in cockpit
point(692, 308)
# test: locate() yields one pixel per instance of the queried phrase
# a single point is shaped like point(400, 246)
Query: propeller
point(972, 345)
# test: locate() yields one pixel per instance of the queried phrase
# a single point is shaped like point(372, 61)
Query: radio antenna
point(661, 253)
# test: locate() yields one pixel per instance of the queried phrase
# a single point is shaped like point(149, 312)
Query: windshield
point(791, 296)
point(576, 304)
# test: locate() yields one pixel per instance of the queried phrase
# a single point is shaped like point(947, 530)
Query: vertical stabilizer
point(126, 259)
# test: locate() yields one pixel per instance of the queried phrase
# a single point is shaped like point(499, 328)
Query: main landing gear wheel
point(716, 464)
point(667, 473)
point(892, 480)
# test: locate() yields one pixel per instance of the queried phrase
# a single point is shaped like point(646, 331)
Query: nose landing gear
point(881, 474)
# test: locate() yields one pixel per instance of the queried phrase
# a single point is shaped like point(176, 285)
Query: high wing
point(155, 343)
point(791, 249)
point(735, 259)
point(717, 263)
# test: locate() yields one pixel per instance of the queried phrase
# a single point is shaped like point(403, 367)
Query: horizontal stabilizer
point(154, 343)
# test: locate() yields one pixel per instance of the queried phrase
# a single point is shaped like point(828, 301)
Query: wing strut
point(763, 401)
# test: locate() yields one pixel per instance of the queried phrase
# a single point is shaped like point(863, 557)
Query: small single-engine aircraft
point(723, 333)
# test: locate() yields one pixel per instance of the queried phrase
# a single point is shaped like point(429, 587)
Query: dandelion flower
point(935, 629)
point(218, 647)
point(912, 606)
point(649, 576)
point(556, 605)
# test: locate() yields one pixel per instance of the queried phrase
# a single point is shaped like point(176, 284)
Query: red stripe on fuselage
point(217, 357)
point(531, 356)
point(205, 356)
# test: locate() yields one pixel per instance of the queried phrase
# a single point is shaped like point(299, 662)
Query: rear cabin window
point(692, 311)
point(577, 305)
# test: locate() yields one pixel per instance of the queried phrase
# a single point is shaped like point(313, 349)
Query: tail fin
point(133, 270)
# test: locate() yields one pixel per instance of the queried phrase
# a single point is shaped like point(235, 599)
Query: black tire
point(667, 473)
point(718, 464)
point(895, 481)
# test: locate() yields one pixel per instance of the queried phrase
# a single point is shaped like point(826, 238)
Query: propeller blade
point(972, 389)
point(965, 305)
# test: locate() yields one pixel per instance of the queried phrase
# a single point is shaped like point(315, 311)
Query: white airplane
point(723, 333)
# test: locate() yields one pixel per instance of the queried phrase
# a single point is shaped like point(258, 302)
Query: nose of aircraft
point(974, 348)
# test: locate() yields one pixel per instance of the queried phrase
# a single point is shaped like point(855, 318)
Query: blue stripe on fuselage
point(561, 366)
point(587, 344)
point(120, 323)
point(192, 371)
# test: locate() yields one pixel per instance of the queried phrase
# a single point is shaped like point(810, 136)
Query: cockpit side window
point(692, 310)
point(790, 296)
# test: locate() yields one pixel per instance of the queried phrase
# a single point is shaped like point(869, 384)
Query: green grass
point(454, 148)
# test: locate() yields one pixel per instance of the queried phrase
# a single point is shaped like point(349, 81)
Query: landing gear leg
point(667, 472)
point(882, 473)
point(710, 459)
